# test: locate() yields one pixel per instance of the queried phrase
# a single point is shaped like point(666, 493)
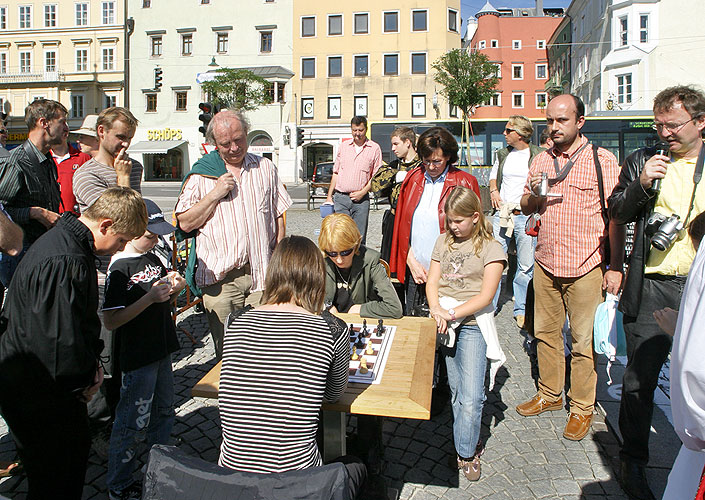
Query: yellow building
point(71, 52)
point(370, 58)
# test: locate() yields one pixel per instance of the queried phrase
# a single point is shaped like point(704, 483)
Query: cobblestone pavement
point(524, 457)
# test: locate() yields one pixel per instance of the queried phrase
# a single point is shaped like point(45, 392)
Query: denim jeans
point(146, 408)
point(358, 210)
point(525, 259)
point(466, 364)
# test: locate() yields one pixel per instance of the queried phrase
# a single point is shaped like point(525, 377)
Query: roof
point(487, 9)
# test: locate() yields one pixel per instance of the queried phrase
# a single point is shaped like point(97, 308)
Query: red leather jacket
point(409, 197)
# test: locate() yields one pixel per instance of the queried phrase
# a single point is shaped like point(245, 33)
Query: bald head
point(228, 132)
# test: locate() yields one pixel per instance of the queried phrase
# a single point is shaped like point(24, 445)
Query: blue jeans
point(466, 364)
point(358, 210)
point(146, 407)
point(525, 259)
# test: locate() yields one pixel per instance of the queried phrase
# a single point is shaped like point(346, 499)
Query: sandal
point(8, 469)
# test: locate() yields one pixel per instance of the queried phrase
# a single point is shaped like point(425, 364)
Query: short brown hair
point(124, 206)
point(296, 272)
point(42, 108)
point(358, 120)
point(696, 229)
point(405, 134)
point(108, 116)
point(693, 100)
point(522, 125)
point(339, 231)
point(438, 137)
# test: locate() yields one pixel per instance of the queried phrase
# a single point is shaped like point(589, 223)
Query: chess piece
point(369, 351)
point(363, 366)
point(364, 328)
point(360, 344)
point(380, 328)
point(354, 356)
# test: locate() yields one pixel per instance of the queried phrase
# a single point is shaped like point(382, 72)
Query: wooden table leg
point(334, 425)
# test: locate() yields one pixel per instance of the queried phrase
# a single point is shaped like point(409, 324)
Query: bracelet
point(494, 191)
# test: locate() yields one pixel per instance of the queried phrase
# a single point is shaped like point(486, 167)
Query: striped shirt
point(355, 169)
point(94, 177)
point(243, 227)
point(278, 367)
point(572, 228)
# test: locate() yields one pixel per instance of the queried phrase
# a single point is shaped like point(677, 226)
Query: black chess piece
point(380, 328)
point(364, 327)
point(360, 344)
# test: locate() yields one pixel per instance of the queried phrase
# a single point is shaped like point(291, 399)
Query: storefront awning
point(154, 147)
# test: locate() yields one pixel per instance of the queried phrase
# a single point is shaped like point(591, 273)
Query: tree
point(468, 79)
point(237, 88)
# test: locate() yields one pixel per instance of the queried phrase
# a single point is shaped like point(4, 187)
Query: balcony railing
point(44, 76)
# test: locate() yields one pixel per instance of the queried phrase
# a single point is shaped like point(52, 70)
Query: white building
point(187, 42)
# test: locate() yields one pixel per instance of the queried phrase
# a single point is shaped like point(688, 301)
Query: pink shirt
point(356, 169)
point(242, 228)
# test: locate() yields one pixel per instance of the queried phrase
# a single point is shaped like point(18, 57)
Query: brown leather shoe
point(577, 427)
point(538, 405)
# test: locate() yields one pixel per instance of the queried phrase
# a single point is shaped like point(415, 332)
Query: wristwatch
point(452, 314)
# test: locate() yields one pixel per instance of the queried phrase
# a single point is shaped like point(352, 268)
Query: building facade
point(71, 52)
point(367, 58)
point(559, 50)
point(175, 47)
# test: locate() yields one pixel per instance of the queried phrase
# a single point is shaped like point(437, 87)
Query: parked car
point(323, 172)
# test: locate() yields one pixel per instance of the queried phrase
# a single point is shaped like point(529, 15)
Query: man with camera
point(658, 189)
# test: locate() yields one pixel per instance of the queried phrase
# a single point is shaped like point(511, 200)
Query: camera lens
point(660, 241)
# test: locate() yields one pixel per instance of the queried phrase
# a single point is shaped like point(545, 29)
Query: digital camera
point(663, 230)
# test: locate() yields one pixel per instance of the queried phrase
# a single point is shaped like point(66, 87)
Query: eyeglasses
point(3, 131)
point(509, 130)
point(344, 253)
point(435, 163)
point(671, 127)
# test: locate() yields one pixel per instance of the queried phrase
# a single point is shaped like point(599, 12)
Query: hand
point(178, 282)
point(159, 292)
point(654, 168)
point(91, 391)
point(354, 309)
point(667, 319)
point(441, 322)
point(612, 281)
point(358, 195)
point(535, 183)
point(418, 272)
point(46, 217)
point(224, 185)
point(496, 199)
point(123, 164)
point(333, 310)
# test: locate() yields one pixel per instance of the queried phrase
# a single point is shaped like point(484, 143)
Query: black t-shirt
point(342, 300)
point(151, 335)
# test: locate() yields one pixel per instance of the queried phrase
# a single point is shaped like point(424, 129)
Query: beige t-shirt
point(462, 269)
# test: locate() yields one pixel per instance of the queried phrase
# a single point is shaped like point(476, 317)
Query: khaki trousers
point(579, 297)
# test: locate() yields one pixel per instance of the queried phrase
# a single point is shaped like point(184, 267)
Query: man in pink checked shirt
point(357, 161)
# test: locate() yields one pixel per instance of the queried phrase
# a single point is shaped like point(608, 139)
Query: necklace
point(346, 281)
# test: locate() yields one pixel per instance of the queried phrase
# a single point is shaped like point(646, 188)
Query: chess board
point(381, 344)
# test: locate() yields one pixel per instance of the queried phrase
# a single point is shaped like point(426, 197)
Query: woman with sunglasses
point(356, 280)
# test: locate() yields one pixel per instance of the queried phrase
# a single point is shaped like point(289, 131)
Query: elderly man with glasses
point(653, 188)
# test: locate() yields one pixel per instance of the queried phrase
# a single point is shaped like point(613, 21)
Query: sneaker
point(520, 320)
point(470, 467)
point(132, 492)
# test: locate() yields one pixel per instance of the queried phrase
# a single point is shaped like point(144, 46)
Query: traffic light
point(299, 136)
point(157, 78)
point(206, 116)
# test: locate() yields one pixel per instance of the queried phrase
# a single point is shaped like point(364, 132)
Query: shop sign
point(165, 134)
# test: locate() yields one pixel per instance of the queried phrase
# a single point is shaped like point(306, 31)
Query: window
point(418, 63)
point(81, 59)
point(418, 105)
point(307, 107)
point(452, 111)
point(308, 26)
point(186, 44)
point(222, 43)
point(391, 64)
point(151, 103)
point(541, 72)
point(390, 106)
point(308, 67)
point(498, 70)
point(493, 101)
point(335, 66)
point(108, 59)
point(109, 12)
point(76, 106)
point(362, 24)
point(419, 20)
point(517, 71)
point(50, 16)
point(265, 41)
point(623, 31)
point(156, 46)
point(3, 62)
point(81, 14)
point(540, 44)
point(205, 2)
point(494, 44)
point(181, 101)
point(335, 25)
point(391, 22)
point(50, 61)
point(25, 62)
point(146, 4)
point(453, 20)
point(334, 107)
point(516, 44)
point(25, 16)
point(644, 28)
point(541, 100)
point(624, 89)
point(360, 105)
point(361, 66)
point(110, 101)
point(517, 100)
point(3, 18)
point(481, 44)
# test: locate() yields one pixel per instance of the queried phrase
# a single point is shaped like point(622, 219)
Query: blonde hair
point(296, 273)
point(108, 116)
point(124, 206)
point(463, 201)
point(339, 232)
point(522, 125)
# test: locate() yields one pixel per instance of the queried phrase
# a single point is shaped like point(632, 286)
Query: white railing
point(44, 76)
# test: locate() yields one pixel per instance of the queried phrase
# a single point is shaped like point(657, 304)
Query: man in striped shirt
point(569, 277)
point(356, 163)
point(235, 202)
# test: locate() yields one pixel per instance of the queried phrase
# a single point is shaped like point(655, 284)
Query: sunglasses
point(344, 253)
point(3, 131)
point(509, 130)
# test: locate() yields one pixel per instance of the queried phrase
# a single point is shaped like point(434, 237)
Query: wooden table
point(405, 390)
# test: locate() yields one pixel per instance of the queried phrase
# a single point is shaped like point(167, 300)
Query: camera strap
point(562, 173)
point(697, 175)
